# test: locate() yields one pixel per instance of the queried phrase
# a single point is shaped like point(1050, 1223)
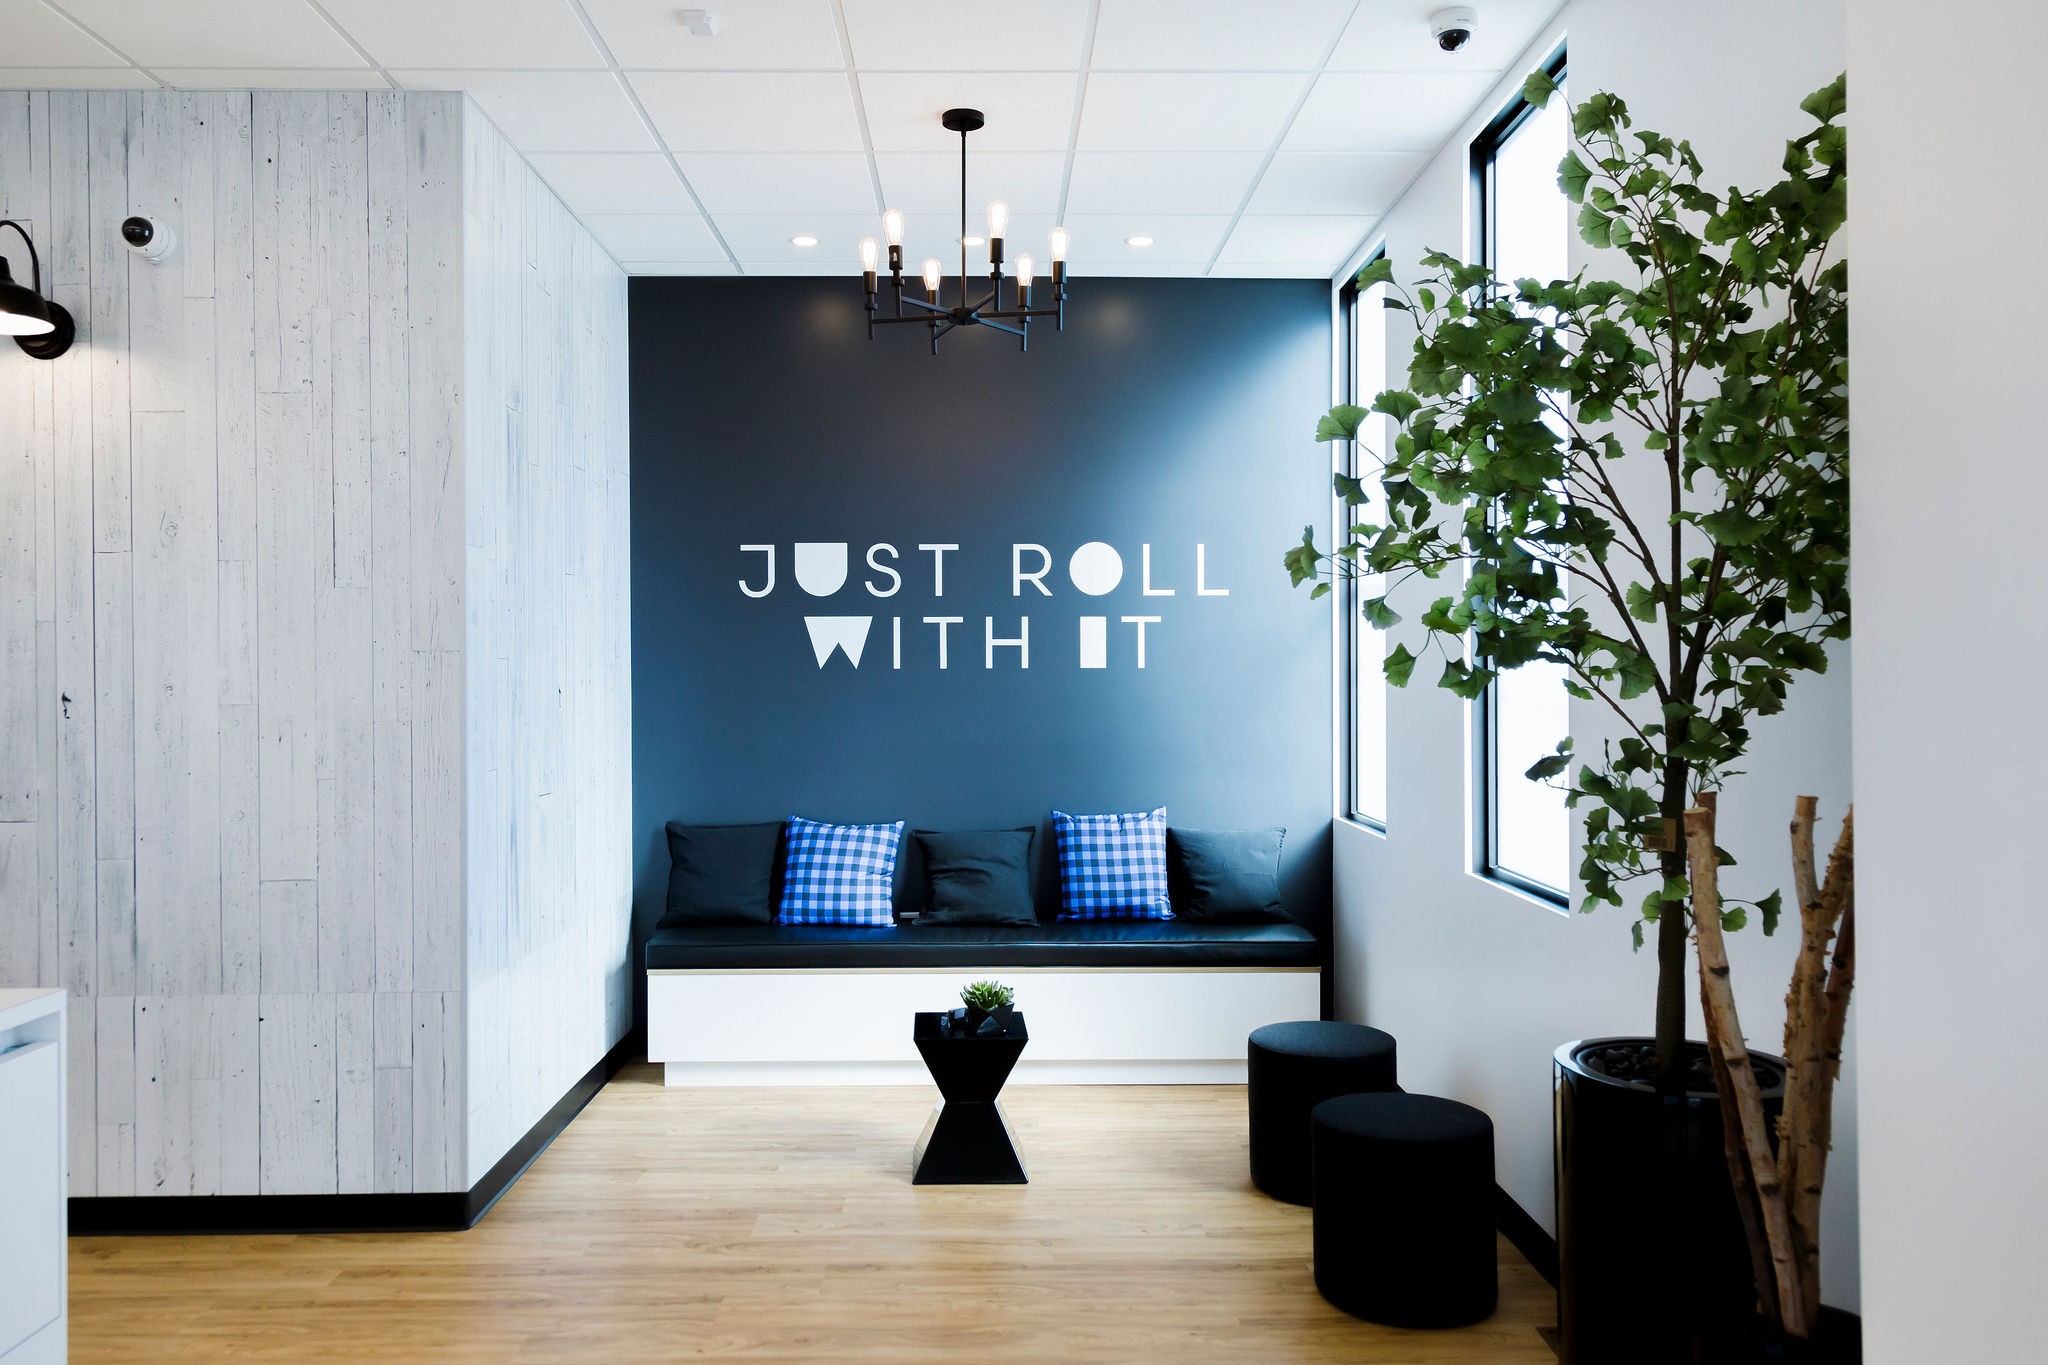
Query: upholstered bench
point(1111, 1001)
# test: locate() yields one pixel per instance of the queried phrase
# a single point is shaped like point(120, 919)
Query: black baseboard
point(448, 1211)
point(1527, 1236)
point(1840, 1330)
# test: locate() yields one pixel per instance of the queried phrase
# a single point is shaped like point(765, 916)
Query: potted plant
point(988, 1000)
point(1686, 603)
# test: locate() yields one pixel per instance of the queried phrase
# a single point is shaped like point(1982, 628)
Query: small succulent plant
point(986, 995)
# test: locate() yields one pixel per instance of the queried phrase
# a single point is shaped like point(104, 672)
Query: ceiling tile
point(613, 182)
point(1385, 111)
point(938, 234)
point(1131, 270)
point(1099, 238)
point(38, 36)
point(216, 33)
point(679, 268)
point(1159, 111)
point(467, 33)
point(259, 78)
point(766, 111)
point(759, 238)
point(1215, 35)
point(929, 182)
point(654, 236)
point(74, 78)
point(1268, 270)
point(1335, 182)
point(789, 182)
point(548, 111)
point(1161, 182)
point(1325, 243)
point(770, 269)
point(1027, 111)
point(785, 35)
point(967, 35)
point(1393, 35)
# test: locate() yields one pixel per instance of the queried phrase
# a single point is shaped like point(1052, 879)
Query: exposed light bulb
point(931, 275)
point(998, 218)
point(1060, 239)
point(892, 227)
point(870, 254)
point(1023, 272)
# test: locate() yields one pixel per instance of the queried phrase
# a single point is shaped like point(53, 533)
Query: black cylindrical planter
point(1651, 1253)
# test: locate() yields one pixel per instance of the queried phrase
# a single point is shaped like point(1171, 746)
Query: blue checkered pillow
point(1113, 866)
point(839, 874)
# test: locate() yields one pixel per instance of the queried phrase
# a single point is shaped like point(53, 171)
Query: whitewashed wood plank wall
point(259, 796)
point(547, 652)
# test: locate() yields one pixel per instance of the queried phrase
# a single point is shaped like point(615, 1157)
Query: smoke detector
point(701, 23)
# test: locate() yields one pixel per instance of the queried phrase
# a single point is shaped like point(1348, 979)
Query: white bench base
point(851, 1026)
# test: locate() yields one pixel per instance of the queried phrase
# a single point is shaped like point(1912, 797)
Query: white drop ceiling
point(1245, 137)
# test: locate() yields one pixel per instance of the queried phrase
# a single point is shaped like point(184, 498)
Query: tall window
point(1524, 226)
point(1365, 375)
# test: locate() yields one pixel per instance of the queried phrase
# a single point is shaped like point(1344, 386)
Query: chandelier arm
point(986, 320)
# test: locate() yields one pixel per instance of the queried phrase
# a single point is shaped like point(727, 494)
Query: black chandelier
point(988, 311)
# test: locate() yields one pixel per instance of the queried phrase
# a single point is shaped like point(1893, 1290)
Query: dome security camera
point(149, 238)
point(1452, 28)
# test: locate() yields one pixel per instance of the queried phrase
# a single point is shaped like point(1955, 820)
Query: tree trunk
point(1671, 940)
point(1752, 1166)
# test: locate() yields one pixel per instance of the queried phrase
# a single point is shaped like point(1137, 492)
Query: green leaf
point(1573, 175)
point(1399, 665)
point(1829, 102)
point(1770, 907)
point(1538, 88)
point(1642, 603)
point(1593, 226)
point(1379, 615)
point(1635, 932)
point(1340, 423)
point(1733, 919)
point(1320, 590)
point(1545, 768)
point(1378, 270)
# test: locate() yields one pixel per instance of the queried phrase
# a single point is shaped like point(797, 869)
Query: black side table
point(967, 1141)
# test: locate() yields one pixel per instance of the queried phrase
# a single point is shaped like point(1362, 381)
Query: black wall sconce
point(41, 328)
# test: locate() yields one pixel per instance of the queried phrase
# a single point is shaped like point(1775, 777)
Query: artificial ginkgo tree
point(1685, 598)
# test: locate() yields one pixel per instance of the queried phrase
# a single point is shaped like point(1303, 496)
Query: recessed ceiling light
point(974, 241)
point(803, 239)
point(1140, 240)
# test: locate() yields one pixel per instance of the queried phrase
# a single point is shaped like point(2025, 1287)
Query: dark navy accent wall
point(1173, 413)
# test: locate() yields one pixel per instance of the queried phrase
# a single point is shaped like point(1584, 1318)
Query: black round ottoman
point(1404, 1217)
point(1289, 1070)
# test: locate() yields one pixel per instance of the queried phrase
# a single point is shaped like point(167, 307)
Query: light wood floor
point(781, 1225)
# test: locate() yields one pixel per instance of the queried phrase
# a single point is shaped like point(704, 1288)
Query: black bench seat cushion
point(1088, 943)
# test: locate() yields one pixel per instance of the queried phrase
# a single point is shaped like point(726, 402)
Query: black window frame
point(1349, 310)
point(1485, 709)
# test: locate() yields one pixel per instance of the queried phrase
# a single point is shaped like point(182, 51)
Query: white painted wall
point(550, 707)
point(236, 749)
point(1478, 983)
point(1951, 739)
